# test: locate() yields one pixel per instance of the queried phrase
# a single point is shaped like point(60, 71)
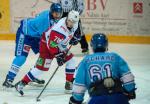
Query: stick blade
point(37, 99)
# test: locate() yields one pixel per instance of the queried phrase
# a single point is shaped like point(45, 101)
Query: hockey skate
point(37, 82)
point(8, 83)
point(19, 87)
point(68, 87)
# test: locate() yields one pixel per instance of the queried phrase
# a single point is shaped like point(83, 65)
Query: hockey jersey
point(36, 26)
point(69, 5)
point(98, 66)
point(58, 36)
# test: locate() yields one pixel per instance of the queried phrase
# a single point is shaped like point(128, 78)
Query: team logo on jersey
point(53, 44)
point(26, 48)
point(40, 61)
point(57, 39)
point(20, 44)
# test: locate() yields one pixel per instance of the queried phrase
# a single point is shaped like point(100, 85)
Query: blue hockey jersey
point(98, 66)
point(36, 26)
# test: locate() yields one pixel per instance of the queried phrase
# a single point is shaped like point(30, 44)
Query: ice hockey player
point(77, 5)
point(54, 45)
point(105, 75)
point(28, 37)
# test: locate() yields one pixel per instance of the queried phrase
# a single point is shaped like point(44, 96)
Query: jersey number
point(98, 73)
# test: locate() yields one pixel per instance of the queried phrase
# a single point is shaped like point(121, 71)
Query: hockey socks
point(69, 74)
point(13, 72)
point(32, 75)
point(17, 63)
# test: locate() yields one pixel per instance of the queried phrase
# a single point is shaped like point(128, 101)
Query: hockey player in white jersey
point(28, 38)
point(53, 44)
point(77, 5)
point(105, 75)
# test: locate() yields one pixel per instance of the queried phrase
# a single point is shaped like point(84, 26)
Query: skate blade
point(68, 91)
point(7, 89)
point(35, 84)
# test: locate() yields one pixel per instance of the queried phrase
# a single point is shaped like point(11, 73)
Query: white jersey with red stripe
point(59, 35)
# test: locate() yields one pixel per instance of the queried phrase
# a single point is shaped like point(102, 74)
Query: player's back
point(101, 65)
point(36, 26)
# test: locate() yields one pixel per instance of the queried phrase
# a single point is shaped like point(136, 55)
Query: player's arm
point(75, 39)
point(127, 78)
point(79, 85)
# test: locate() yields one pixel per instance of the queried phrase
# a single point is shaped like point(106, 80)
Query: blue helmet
point(99, 42)
point(56, 7)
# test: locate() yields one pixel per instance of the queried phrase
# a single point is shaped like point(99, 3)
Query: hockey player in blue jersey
point(28, 37)
point(105, 75)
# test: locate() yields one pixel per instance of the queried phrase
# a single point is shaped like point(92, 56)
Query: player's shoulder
point(113, 53)
point(62, 19)
point(116, 55)
point(60, 23)
point(101, 54)
point(59, 26)
point(87, 57)
point(44, 13)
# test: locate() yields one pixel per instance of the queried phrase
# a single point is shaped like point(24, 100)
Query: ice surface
point(138, 57)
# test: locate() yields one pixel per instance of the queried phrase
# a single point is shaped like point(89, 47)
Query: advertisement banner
point(120, 17)
point(4, 16)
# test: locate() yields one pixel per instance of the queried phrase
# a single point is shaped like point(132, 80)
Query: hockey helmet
point(73, 16)
point(99, 42)
point(56, 7)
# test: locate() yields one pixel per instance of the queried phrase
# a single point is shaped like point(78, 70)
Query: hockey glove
point(60, 59)
point(130, 95)
point(75, 40)
point(73, 101)
point(108, 82)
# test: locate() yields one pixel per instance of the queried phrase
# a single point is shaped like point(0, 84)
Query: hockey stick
point(38, 97)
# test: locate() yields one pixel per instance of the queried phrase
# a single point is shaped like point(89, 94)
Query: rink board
point(112, 38)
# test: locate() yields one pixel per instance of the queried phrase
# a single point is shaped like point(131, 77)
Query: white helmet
point(73, 16)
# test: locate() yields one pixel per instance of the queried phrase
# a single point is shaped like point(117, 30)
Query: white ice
point(137, 56)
